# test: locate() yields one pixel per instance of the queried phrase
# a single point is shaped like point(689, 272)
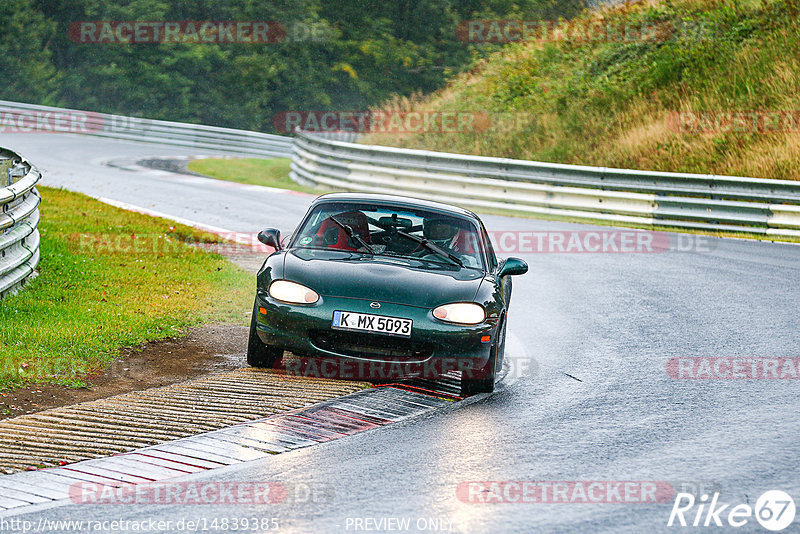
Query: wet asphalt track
point(612, 321)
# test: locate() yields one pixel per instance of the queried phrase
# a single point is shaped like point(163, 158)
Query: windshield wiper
point(433, 248)
point(351, 234)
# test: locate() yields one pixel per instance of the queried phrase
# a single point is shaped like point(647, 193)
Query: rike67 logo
point(774, 510)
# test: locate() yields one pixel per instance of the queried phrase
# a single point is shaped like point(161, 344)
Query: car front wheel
point(258, 353)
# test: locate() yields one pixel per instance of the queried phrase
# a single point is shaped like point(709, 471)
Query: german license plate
point(365, 322)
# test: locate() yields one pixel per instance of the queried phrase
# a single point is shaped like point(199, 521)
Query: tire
point(501, 346)
point(258, 353)
point(482, 380)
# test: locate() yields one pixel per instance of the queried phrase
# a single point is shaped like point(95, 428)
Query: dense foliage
point(362, 52)
point(715, 89)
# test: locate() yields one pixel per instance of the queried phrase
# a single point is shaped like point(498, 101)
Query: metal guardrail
point(19, 200)
point(591, 194)
point(19, 219)
point(19, 117)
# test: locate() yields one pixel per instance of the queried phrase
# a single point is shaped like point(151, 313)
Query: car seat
point(331, 235)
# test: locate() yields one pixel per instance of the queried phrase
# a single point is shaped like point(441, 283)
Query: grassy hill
point(713, 87)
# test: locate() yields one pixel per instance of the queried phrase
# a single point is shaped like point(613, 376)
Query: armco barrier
point(19, 236)
point(621, 196)
point(18, 117)
point(673, 200)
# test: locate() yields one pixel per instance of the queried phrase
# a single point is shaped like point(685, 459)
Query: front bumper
point(434, 348)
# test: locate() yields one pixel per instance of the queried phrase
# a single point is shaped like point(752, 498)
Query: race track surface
point(613, 321)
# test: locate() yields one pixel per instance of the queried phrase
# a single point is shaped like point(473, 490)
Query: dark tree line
point(336, 54)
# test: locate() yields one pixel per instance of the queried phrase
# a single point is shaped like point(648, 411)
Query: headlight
point(287, 291)
point(460, 313)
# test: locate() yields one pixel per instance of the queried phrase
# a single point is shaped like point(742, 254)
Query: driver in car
point(447, 234)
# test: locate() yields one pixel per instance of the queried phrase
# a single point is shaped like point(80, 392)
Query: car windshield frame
point(400, 206)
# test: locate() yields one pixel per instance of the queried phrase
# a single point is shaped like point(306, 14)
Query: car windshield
point(385, 230)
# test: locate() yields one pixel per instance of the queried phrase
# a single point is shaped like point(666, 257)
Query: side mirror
point(270, 237)
point(513, 266)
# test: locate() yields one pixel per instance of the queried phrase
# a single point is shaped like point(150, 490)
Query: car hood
point(386, 279)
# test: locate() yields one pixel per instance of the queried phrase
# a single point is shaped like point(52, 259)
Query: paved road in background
point(612, 321)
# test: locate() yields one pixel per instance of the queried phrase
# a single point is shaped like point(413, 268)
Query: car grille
point(372, 346)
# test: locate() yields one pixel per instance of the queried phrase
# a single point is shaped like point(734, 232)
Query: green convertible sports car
point(381, 287)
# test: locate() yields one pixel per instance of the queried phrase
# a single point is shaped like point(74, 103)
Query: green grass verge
point(267, 172)
point(110, 278)
point(615, 102)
